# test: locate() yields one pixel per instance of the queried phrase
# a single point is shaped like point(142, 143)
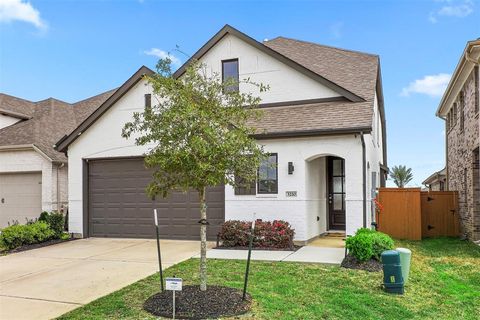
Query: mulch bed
point(35, 246)
point(191, 303)
point(371, 265)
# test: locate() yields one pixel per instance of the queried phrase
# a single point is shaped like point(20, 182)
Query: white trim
point(23, 147)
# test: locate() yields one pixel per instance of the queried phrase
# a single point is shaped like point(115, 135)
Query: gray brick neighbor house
point(459, 108)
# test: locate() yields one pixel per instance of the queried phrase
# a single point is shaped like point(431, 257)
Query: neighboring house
point(437, 181)
point(33, 176)
point(459, 108)
point(323, 124)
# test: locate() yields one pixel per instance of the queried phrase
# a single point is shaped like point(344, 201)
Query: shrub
point(367, 244)
point(55, 220)
point(268, 234)
point(19, 235)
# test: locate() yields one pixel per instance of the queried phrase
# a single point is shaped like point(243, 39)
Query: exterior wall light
point(291, 168)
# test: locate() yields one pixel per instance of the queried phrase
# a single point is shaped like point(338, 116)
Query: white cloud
point(336, 29)
point(162, 55)
point(12, 10)
point(452, 9)
point(433, 85)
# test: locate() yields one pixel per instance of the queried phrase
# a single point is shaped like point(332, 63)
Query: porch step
point(335, 234)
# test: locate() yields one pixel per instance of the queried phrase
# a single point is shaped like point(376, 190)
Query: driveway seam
point(122, 248)
point(36, 272)
point(39, 299)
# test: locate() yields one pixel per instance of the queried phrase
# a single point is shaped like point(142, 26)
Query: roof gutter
point(309, 133)
point(13, 114)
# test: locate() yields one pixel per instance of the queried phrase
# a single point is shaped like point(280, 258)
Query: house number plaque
point(291, 193)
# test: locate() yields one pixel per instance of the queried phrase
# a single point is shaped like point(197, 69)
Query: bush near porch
point(368, 244)
point(276, 234)
point(444, 284)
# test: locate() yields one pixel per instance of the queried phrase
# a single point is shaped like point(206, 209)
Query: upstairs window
point(449, 120)
point(455, 114)
point(230, 74)
point(148, 100)
point(477, 89)
point(268, 175)
point(462, 111)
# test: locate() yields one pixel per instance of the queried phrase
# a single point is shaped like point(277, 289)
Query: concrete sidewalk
point(307, 254)
point(44, 283)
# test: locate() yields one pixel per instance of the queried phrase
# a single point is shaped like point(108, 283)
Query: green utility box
point(392, 272)
point(405, 259)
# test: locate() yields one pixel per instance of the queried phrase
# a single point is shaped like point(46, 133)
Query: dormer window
point(230, 73)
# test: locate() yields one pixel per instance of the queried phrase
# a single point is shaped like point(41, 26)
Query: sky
point(71, 50)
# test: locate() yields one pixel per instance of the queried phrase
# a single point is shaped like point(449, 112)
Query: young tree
point(401, 175)
point(198, 135)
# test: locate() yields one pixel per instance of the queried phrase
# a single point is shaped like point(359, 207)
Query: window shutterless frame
point(235, 76)
point(274, 189)
point(148, 100)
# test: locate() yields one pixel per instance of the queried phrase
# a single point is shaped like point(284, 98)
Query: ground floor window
point(268, 175)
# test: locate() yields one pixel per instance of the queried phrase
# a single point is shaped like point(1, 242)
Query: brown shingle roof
point(352, 70)
point(16, 106)
point(352, 74)
point(327, 116)
point(49, 121)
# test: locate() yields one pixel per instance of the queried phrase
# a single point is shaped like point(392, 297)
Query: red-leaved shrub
point(268, 234)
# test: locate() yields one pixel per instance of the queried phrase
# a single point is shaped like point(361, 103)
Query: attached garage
point(107, 178)
point(119, 207)
point(20, 197)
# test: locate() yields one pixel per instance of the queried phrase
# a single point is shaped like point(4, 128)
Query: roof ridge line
point(51, 99)
point(11, 96)
point(326, 46)
point(95, 96)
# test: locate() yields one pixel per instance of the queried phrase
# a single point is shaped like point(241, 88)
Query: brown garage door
point(118, 206)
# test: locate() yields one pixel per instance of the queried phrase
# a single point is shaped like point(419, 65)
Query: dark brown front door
point(336, 193)
point(118, 206)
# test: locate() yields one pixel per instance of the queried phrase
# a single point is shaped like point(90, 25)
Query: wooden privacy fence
point(409, 213)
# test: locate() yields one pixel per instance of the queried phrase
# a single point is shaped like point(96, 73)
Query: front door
point(336, 193)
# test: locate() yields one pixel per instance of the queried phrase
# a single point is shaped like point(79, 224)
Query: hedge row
point(268, 234)
point(49, 226)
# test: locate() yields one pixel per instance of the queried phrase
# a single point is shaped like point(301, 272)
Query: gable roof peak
point(302, 68)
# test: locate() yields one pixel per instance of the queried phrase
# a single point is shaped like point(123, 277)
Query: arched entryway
point(326, 193)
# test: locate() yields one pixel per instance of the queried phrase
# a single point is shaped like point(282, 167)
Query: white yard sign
point(174, 284)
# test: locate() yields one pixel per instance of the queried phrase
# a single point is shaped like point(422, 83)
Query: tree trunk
point(203, 242)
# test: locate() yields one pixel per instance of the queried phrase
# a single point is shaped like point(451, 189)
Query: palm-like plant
point(401, 175)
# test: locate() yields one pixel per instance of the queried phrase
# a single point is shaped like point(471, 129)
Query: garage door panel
point(119, 206)
point(22, 197)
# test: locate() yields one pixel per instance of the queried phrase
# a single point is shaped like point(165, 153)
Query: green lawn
point(444, 284)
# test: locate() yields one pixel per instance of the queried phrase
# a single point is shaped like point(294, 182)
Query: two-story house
point(323, 125)
point(459, 108)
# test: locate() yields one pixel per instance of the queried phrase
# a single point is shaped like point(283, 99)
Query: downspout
point(58, 186)
point(364, 184)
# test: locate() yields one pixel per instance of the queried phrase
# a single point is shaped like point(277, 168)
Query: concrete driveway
point(47, 282)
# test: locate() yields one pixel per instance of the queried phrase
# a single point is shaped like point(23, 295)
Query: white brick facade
point(307, 212)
